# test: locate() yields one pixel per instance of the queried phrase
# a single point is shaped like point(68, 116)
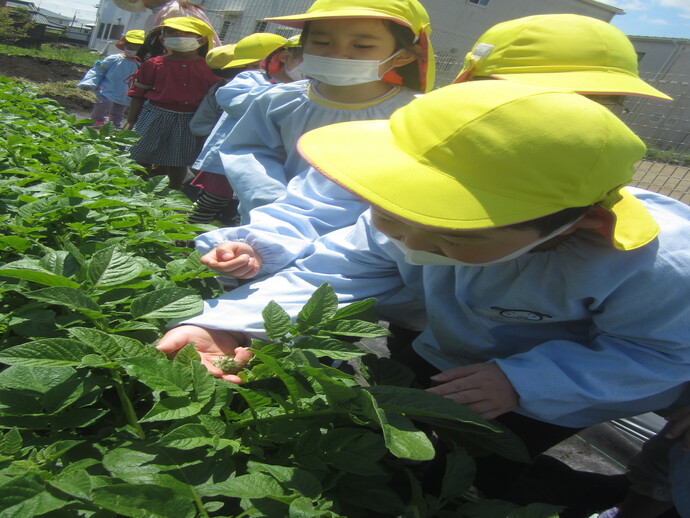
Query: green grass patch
point(668, 156)
point(77, 55)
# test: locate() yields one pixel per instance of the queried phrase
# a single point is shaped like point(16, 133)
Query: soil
point(43, 70)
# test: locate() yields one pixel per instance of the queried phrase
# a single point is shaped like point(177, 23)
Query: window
point(101, 26)
point(260, 26)
point(225, 28)
point(116, 32)
point(483, 3)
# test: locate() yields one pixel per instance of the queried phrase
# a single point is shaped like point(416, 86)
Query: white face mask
point(421, 257)
point(342, 72)
point(130, 53)
point(181, 43)
point(294, 73)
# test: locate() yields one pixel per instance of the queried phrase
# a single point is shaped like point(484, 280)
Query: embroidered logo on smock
point(521, 314)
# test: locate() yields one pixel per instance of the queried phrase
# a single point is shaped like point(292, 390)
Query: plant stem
point(127, 406)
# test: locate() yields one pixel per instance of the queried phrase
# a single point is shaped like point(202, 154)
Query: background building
point(456, 23)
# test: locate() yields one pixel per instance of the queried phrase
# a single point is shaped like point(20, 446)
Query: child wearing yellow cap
point(166, 91)
point(109, 80)
point(556, 296)
point(354, 52)
point(257, 62)
point(360, 56)
point(597, 60)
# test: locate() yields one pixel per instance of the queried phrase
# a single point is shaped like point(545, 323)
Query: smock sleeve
point(351, 260)
point(283, 231)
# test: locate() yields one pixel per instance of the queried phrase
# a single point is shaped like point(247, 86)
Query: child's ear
point(203, 40)
point(284, 56)
point(595, 217)
point(406, 56)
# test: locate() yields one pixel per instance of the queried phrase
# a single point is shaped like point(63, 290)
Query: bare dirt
point(44, 71)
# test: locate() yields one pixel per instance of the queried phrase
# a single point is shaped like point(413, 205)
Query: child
point(355, 53)
point(108, 79)
point(172, 86)
point(568, 55)
point(164, 9)
point(264, 58)
point(534, 262)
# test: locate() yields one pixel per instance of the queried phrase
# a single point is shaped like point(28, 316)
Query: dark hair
point(227, 73)
point(404, 39)
point(547, 224)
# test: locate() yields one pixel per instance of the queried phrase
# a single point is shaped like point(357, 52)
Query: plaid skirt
point(165, 138)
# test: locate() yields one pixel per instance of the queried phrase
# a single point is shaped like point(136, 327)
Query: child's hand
point(483, 387)
point(211, 344)
point(234, 259)
point(678, 427)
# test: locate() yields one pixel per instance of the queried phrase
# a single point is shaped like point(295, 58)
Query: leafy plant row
point(96, 422)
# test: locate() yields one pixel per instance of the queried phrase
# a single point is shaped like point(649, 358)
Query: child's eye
point(313, 42)
point(362, 46)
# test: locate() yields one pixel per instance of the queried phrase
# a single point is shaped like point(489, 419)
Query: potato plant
point(96, 422)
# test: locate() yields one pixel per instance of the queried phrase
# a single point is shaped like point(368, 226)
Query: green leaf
point(34, 379)
point(107, 345)
point(26, 496)
point(143, 501)
point(69, 297)
point(112, 267)
point(322, 346)
point(49, 352)
point(167, 303)
point(256, 485)
point(336, 391)
point(358, 328)
point(277, 322)
point(172, 409)
point(302, 482)
point(320, 307)
point(459, 475)
point(160, 374)
point(187, 355)
point(355, 309)
point(403, 439)
point(30, 270)
point(11, 442)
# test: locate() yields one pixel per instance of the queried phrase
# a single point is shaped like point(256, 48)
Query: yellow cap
point(189, 24)
point(219, 57)
point(566, 51)
point(409, 13)
point(256, 47)
point(489, 154)
point(136, 37)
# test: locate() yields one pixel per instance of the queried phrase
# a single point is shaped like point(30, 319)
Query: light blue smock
point(260, 153)
point(229, 104)
point(585, 332)
point(282, 231)
point(110, 78)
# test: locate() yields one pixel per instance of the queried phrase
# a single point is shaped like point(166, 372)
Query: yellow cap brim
point(240, 63)
point(392, 180)
point(587, 82)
